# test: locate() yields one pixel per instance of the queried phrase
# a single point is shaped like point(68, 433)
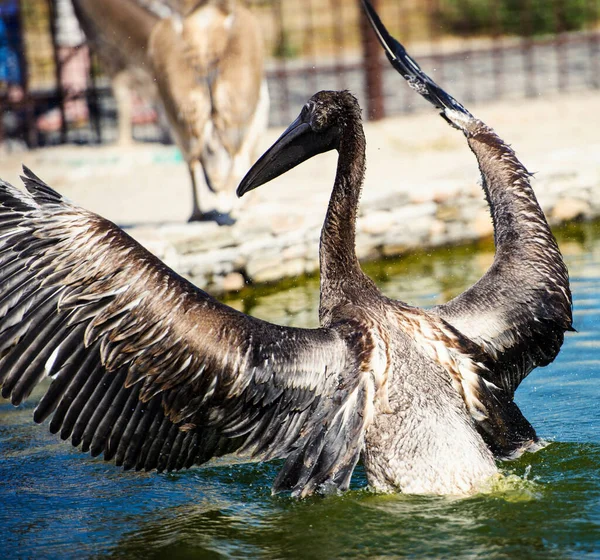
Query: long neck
point(519, 222)
point(337, 250)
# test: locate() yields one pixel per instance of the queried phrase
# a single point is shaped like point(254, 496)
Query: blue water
point(58, 503)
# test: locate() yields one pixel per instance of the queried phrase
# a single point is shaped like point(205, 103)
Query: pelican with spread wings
point(154, 373)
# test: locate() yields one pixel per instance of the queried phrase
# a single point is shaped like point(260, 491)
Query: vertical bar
point(437, 59)
point(30, 134)
point(405, 33)
point(3, 102)
point(339, 40)
point(93, 99)
point(497, 50)
point(57, 71)
point(469, 71)
point(527, 49)
point(2, 110)
point(309, 45)
point(280, 72)
point(371, 52)
point(560, 46)
point(594, 42)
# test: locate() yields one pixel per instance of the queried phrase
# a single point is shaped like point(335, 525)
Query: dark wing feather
point(518, 312)
point(408, 67)
point(151, 371)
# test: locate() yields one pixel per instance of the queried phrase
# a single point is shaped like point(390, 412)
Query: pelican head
point(317, 129)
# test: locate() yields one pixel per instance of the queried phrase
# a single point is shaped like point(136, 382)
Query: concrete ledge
point(225, 259)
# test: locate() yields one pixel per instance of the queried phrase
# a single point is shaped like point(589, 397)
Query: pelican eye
point(306, 111)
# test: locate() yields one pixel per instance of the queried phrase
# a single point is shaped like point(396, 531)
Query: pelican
point(203, 61)
point(154, 373)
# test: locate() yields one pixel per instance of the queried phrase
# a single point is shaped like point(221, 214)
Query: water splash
point(512, 487)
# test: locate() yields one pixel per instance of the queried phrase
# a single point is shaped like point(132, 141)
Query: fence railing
point(53, 90)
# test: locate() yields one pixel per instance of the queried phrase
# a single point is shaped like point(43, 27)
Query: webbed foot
point(222, 218)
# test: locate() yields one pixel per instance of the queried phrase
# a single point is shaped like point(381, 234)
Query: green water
point(58, 503)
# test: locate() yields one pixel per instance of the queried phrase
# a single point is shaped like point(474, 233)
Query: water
point(57, 502)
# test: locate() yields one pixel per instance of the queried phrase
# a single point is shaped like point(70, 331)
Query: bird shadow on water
point(543, 505)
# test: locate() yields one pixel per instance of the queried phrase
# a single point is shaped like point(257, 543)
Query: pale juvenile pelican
point(202, 60)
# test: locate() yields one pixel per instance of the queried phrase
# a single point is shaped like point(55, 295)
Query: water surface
point(58, 503)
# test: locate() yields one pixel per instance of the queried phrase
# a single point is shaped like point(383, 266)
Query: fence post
point(92, 98)
point(58, 72)
point(280, 72)
point(371, 52)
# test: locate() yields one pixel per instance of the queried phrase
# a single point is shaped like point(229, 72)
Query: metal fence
point(52, 89)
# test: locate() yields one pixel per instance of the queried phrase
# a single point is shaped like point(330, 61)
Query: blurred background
point(53, 90)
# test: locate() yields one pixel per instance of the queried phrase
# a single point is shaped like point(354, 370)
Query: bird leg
point(202, 191)
point(122, 93)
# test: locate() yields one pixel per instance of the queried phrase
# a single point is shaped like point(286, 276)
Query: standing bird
point(203, 61)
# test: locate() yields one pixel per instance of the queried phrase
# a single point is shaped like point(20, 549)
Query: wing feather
point(519, 311)
point(152, 372)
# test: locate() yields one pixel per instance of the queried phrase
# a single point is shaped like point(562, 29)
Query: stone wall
point(223, 259)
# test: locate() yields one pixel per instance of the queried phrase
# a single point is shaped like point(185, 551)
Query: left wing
point(155, 373)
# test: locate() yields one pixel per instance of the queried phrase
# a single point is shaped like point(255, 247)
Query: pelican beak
point(298, 143)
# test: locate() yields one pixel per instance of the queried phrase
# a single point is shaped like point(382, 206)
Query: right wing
point(519, 310)
point(150, 370)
